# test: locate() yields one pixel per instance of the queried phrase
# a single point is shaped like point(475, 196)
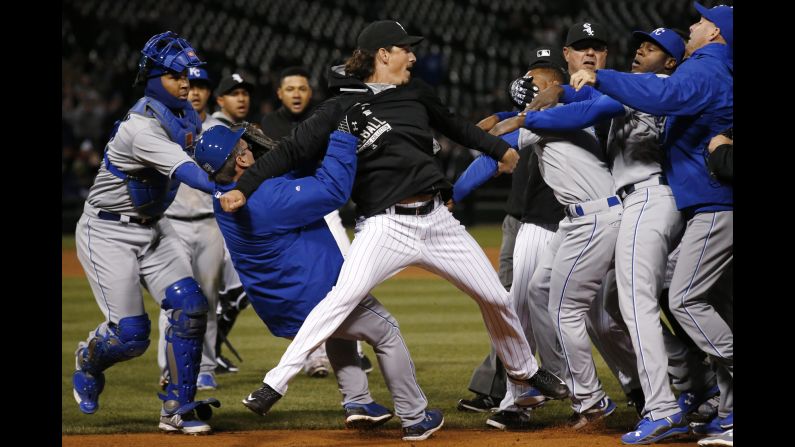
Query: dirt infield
point(70, 266)
point(550, 437)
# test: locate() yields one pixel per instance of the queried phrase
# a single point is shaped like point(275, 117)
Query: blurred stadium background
point(472, 50)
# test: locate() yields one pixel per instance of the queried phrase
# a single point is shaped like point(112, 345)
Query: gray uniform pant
point(650, 227)
point(202, 241)
point(120, 257)
point(489, 377)
point(705, 254)
point(572, 269)
point(371, 322)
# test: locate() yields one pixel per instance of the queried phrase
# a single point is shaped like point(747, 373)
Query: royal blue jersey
point(279, 242)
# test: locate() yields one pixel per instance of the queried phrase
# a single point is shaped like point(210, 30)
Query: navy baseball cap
point(585, 31)
point(723, 17)
point(666, 39)
point(198, 75)
point(384, 34)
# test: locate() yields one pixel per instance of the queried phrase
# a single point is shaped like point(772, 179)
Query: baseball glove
point(260, 143)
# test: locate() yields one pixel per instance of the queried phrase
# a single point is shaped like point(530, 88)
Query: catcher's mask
point(214, 147)
point(163, 53)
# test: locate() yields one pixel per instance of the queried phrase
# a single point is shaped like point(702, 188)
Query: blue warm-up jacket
point(698, 98)
point(279, 242)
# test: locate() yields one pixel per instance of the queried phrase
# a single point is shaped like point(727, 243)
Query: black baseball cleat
point(550, 385)
point(480, 403)
point(224, 365)
point(261, 400)
point(367, 365)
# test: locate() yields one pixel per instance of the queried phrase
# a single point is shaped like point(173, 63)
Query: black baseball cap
point(584, 31)
point(232, 82)
point(384, 34)
point(546, 56)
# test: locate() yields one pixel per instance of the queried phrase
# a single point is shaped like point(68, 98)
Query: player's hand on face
point(546, 98)
point(717, 140)
point(510, 160)
point(581, 78)
point(521, 91)
point(232, 200)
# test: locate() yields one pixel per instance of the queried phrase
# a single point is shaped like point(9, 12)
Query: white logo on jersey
point(237, 77)
point(542, 53)
point(193, 71)
point(586, 27)
point(658, 31)
point(372, 131)
point(401, 27)
point(298, 188)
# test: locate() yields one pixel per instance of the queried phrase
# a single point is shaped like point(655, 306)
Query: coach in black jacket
point(395, 156)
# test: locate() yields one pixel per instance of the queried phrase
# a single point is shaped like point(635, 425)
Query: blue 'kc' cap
point(667, 39)
point(198, 74)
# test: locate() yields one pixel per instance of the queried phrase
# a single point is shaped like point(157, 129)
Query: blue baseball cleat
point(601, 410)
point(86, 388)
point(366, 416)
point(689, 401)
point(424, 429)
point(715, 427)
point(206, 381)
point(648, 431)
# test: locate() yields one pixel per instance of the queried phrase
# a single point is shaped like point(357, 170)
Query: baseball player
point(295, 94)
point(123, 243)
point(698, 101)
point(650, 224)
point(288, 261)
point(577, 258)
point(399, 192)
point(540, 213)
point(191, 215)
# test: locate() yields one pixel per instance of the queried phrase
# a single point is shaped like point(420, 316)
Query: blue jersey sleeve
point(292, 203)
point(570, 95)
point(686, 92)
point(476, 174)
point(576, 115)
point(193, 176)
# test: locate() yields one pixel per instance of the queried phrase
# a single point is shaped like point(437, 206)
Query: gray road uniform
point(191, 215)
point(577, 258)
point(122, 249)
point(650, 228)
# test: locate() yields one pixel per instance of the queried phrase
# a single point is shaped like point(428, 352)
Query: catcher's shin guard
point(187, 324)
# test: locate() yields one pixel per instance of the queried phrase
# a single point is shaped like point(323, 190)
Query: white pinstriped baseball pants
point(384, 245)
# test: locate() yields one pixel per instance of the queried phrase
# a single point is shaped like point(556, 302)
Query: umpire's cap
point(214, 147)
point(384, 34)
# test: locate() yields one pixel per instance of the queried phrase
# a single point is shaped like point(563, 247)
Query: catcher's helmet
point(165, 52)
point(214, 147)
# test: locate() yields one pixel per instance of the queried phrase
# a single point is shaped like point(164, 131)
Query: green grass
point(442, 327)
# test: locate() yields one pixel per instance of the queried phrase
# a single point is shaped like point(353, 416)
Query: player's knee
point(189, 308)
point(133, 332)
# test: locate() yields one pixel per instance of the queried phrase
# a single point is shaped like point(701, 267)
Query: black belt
point(105, 215)
point(405, 211)
point(193, 218)
point(629, 189)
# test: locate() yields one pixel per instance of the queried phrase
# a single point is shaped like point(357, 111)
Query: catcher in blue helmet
point(147, 157)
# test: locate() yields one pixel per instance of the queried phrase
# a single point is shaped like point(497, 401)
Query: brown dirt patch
point(549, 437)
point(71, 268)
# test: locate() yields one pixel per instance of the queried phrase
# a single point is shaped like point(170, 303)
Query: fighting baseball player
point(399, 192)
point(191, 215)
point(698, 100)
point(295, 94)
point(577, 258)
point(123, 243)
point(650, 224)
point(288, 261)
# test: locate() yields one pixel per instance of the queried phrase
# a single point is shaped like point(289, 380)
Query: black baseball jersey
point(395, 157)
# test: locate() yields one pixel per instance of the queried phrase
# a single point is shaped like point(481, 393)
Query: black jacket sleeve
point(721, 162)
point(458, 129)
point(306, 142)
